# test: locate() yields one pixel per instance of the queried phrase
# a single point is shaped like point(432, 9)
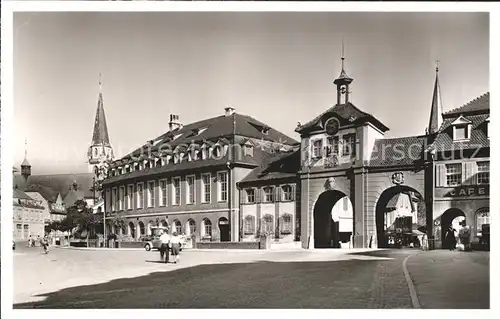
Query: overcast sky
point(276, 67)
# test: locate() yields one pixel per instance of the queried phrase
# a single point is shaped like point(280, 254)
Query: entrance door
point(224, 229)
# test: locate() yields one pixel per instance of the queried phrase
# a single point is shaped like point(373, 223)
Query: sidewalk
point(451, 279)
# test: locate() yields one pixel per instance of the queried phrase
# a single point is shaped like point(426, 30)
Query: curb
point(413, 292)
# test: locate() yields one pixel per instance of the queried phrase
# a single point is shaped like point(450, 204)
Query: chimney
point(174, 123)
point(229, 110)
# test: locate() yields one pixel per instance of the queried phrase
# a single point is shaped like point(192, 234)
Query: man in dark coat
point(451, 241)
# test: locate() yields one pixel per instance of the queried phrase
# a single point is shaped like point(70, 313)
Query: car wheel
point(147, 247)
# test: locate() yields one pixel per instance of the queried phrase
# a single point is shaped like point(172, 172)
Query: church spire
point(100, 148)
point(25, 165)
point(343, 81)
point(436, 117)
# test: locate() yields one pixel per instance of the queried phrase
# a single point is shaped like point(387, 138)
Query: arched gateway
point(332, 220)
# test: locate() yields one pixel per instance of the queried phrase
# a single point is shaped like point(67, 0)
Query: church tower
point(100, 149)
point(342, 83)
point(25, 165)
point(436, 118)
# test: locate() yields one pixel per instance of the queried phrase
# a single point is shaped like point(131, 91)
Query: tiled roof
point(19, 194)
point(274, 167)
point(480, 104)
point(49, 186)
point(397, 151)
point(444, 140)
point(216, 128)
point(348, 112)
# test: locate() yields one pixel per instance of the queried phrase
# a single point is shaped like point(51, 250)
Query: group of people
point(44, 242)
point(170, 243)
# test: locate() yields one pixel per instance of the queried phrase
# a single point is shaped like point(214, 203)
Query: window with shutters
point(140, 195)
point(114, 200)
point(332, 146)
point(483, 172)
point(130, 193)
point(190, 189)
point(151, 194)
point(250, 192)
point(316, 149)
point(223, 186)
point(349, 145)
point(453, 174)
point(176, 199)
point(205, 181)
point(268, 194)
point(122, 197)
point(287, 193)
point(163, 192)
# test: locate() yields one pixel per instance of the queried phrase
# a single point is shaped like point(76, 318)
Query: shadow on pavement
point(387, 253)
point(332, 284)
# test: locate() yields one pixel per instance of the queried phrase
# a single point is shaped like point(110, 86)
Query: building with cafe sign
point(339, 187)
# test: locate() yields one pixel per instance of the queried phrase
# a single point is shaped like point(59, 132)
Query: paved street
point(240, 279)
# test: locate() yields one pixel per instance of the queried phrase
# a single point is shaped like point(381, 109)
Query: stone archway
point(400, 217)
point(327, 233)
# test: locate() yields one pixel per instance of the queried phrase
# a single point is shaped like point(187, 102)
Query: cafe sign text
point(466, 191)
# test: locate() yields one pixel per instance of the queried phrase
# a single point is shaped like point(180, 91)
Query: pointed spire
point(26, 162)
point(100, 136)
point(343, 81)
point(436, 117)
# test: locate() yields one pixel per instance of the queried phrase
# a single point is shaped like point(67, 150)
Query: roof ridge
point(467, 104)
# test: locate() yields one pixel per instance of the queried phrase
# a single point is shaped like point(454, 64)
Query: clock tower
point(342, 83)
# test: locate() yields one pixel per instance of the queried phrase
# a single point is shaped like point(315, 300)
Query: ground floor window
point(482, 218)
point(267, 224)
point(191, 227)
point(178, 227)
point(286, 224)
point(249, 225)
point(207, 227)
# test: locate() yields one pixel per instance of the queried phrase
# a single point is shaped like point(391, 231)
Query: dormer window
point(204, 151)
point(265, 130)
point(176, 158)
point(217, 151)
point(248, 149)
point(461, 129)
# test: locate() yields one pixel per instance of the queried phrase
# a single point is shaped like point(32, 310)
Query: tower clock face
point(332, 126)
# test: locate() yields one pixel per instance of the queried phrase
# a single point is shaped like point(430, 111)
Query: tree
point(81, 218)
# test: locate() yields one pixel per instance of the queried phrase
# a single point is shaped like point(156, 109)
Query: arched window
point(207, 227)
point(131, 230)
point(178, 227)
point(482, 218)
point(149, 231)
point(191, 227)
point(249, 225)
point(267, 224)
point(142, 230)
point(286, 225)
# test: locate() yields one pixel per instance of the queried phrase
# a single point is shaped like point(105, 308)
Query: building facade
point(233, 178)
point(186, 178)
point(28, 217)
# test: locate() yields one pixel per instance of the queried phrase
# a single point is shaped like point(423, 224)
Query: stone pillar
point(358, 203)
point(429, 205)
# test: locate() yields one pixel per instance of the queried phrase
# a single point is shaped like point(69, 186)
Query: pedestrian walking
point(165, 239)
point(44, 242)
point(451, 241)
point(175, 241)
point(30, 241)
point(425, 242)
